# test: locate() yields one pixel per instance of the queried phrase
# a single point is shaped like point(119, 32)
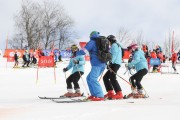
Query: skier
point(154, 55)
point(109, 78)
point(76, 62)
point(140, 63)
point(178, 54)
point(33, 57)
point(174, 60)
point(16, 57)
point(96, 69)
point(59, 58)
point(26, 58)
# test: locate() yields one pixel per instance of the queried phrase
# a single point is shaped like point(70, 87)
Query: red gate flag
point(46, 61)
point(172, 48)
point(82, 45)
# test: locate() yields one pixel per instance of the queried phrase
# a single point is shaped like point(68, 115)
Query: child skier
point(16, 57)
point(109, 78)
point(77, 63)
point(26, 58)
point(140, 63)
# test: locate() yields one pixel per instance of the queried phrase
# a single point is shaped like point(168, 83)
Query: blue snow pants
point(93, 83)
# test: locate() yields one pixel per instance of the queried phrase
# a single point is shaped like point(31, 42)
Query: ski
point(69, 101)
point(131, 96)
point(60, 97)
point(169, 73)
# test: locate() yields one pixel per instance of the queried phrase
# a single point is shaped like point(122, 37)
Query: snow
point(19, 93)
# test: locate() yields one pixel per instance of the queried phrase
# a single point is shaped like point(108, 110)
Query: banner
point(65, 53)
point(155, 61)
point(11, 52)
point(46, 61)
point(126, 54)
point(82, 45)
point(10, 59)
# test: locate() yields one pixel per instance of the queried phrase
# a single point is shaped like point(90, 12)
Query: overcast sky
point(153, 17)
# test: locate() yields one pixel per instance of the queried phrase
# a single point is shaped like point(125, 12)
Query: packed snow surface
point(20, 88)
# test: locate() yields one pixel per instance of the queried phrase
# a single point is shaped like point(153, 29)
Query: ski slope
point(19, 91)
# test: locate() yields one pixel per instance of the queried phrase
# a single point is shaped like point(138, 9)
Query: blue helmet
point(94, 34)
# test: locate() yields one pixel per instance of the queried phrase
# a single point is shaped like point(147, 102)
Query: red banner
point(126, 54)
point(46, 61)
point(82, 45)
point(10, 59)
point(11, 52)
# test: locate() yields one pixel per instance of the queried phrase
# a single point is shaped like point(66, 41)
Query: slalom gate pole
point(83, 81)
point(37, 75)
point(54, 74)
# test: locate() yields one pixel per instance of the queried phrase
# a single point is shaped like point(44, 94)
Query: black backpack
point(122, 49)
point(103, 53)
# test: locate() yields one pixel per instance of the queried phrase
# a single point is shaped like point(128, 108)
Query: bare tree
point(124, 36)
point(168, 43)
point(27, 21)
point(139, 40)
point(41, 24)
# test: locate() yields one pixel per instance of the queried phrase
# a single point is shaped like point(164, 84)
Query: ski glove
point(129, 66)
point(65, 69)
point(75, 61)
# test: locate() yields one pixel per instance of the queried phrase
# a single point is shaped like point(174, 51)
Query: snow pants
point(74, 78)
point(109, 79)
point(135, 79)
point(93, 83)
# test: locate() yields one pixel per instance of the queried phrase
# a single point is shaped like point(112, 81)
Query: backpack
point(122, 50)
point(103, 53)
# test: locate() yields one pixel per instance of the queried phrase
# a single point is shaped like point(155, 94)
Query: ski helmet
point(111, 38)
point(74, 47)
point(94, 34)
point(133, 46)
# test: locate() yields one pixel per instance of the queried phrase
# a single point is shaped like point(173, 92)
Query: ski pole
point(65, 74)
point(121, 78)
point(145, 92)
point(126, 72)
point(101, 76)
point(82, 81)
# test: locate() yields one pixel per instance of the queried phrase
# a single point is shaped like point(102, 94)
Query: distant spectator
point(174, 60)
point(16, 57)
point(178, 54)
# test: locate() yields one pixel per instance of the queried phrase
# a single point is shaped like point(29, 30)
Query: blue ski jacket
point(139, 61)
point(77, 67)
point(116, 54)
